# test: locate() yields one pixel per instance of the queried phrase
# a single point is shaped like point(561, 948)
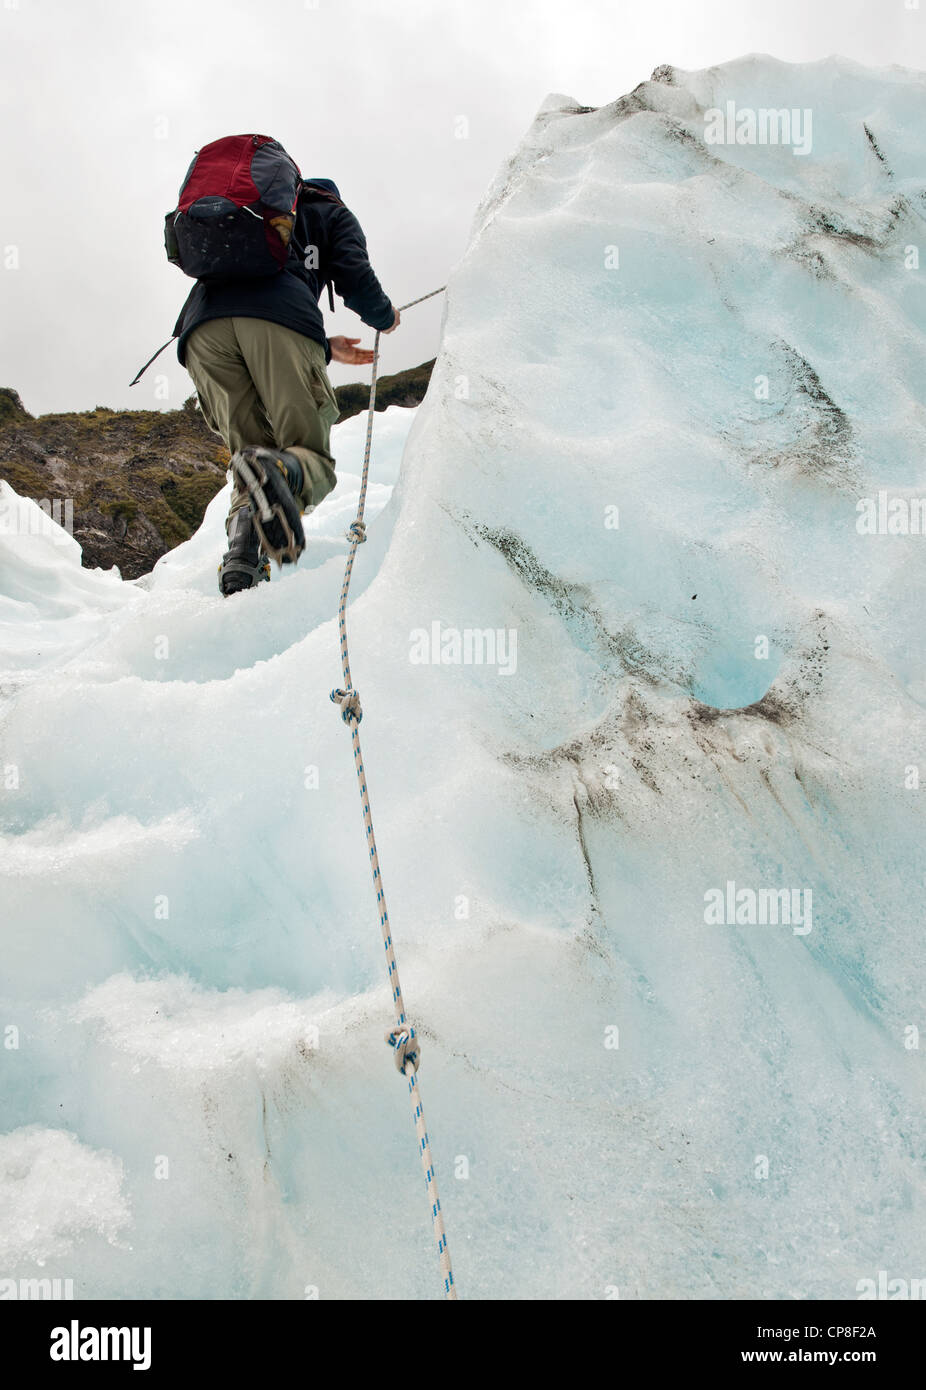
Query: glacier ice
point(669, 370)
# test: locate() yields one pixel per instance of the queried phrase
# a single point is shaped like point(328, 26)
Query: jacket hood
point(325, 183)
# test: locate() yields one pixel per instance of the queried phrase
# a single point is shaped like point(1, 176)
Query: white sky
point(366, 92)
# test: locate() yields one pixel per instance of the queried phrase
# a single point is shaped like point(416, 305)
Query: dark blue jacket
point(291, 297)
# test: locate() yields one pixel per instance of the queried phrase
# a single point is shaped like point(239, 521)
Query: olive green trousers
point(261, 383)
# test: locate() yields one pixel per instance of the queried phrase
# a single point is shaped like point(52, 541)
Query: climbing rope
point(402, 1038)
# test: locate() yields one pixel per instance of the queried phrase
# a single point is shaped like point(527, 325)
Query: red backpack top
point(236, 211)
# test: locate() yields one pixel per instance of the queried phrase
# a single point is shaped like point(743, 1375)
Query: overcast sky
point(104, 102)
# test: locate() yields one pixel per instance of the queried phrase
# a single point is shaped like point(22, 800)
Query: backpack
point(236, 210)
point(193, 237)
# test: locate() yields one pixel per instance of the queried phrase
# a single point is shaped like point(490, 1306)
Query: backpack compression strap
point(139, 374)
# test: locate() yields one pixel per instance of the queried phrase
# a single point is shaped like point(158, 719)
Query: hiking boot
point(273, 482)
point(243, 565)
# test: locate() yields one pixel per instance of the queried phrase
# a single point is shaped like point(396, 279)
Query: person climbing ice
point(262, 243)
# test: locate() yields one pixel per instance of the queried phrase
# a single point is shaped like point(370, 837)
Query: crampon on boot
point(242, 565)
point(272, 480)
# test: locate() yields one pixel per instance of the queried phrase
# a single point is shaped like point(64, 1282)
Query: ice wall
point(670, 371)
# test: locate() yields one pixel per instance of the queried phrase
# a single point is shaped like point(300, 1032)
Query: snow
point(54, 1193)
point(193, 964)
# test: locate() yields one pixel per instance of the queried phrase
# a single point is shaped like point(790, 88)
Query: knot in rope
point(349, 702)
point(403, 1040)
point(357, 531)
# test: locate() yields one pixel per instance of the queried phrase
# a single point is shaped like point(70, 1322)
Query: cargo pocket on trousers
point(324, 397)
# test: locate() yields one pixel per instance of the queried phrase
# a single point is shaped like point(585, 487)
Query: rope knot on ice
point(349, 702)
point(403, 1040)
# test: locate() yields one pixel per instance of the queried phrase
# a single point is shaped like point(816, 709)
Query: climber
point(256, 348)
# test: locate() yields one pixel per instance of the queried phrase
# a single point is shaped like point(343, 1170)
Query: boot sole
point(276, 516)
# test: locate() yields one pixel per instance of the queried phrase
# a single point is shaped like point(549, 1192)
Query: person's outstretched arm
point(355, 281)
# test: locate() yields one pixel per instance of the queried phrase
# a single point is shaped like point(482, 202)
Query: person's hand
point(344, 350)
point(395, 323)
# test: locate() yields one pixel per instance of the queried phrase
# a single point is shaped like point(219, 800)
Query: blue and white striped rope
point(402, 1037)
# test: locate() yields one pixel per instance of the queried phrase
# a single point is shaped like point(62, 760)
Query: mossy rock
point(401, 388)
point(12, 410)
point(188, 495)
point(121, 509)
